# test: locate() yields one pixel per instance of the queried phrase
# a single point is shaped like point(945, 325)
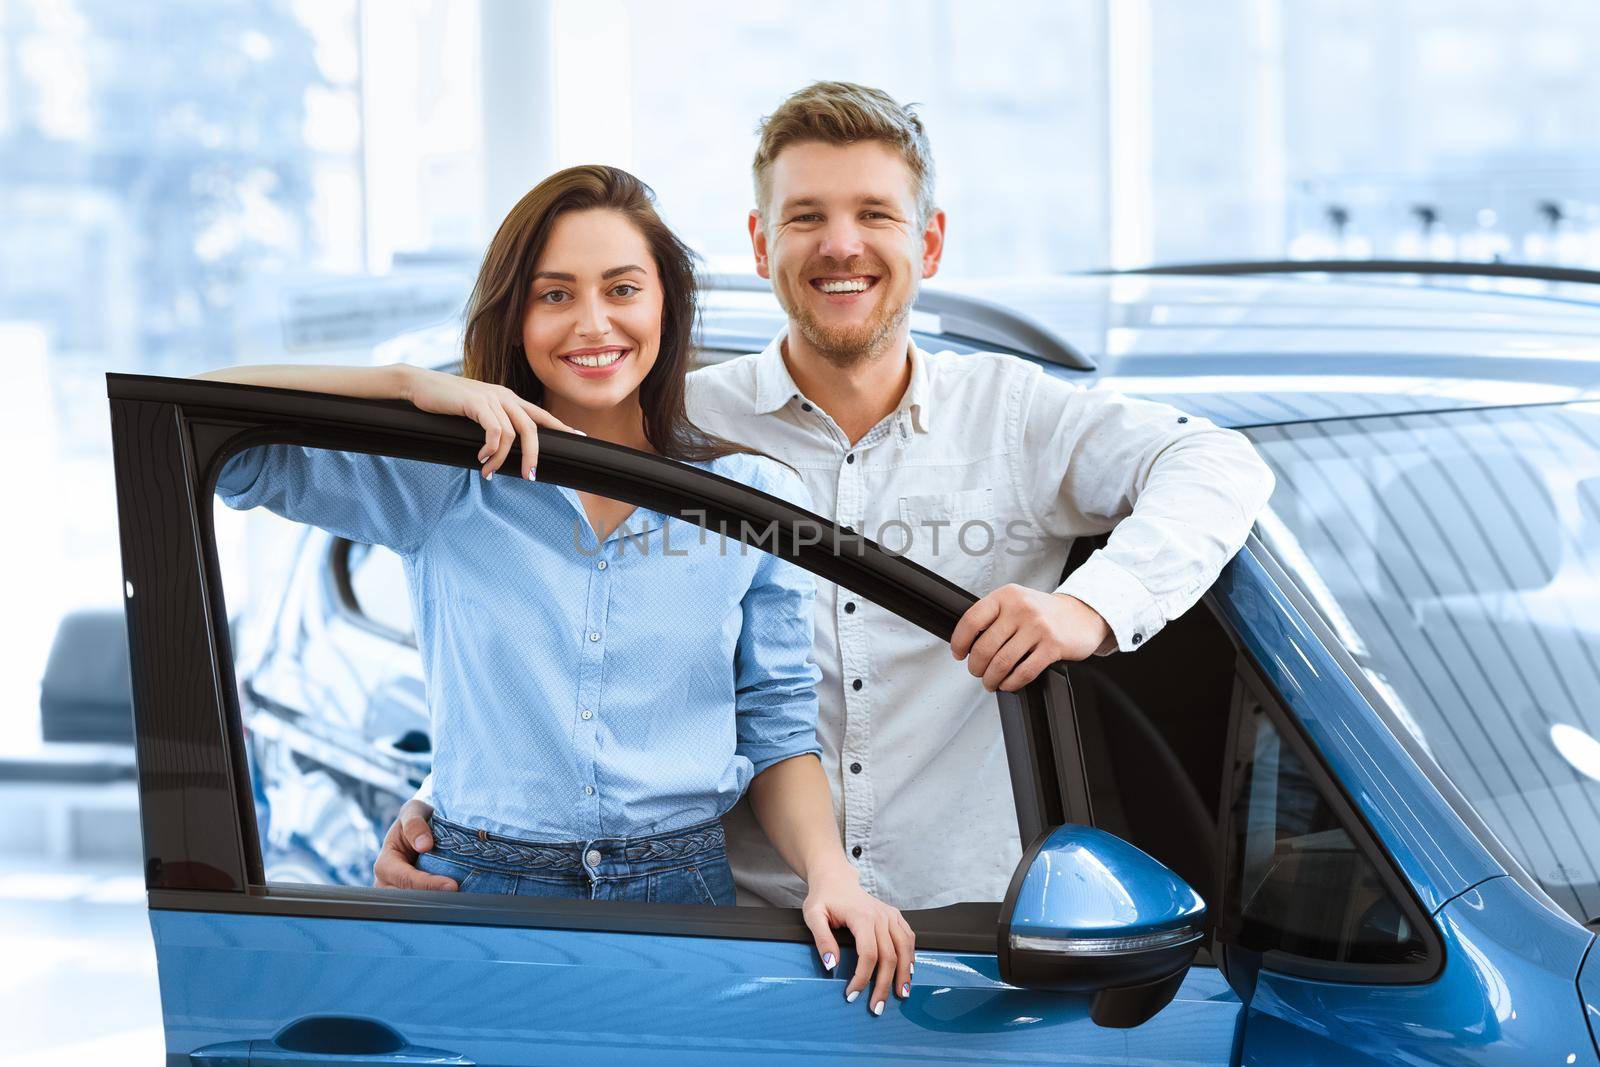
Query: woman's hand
point(884, 940)
point(504, 416)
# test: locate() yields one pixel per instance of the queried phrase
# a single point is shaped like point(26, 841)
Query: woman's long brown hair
point(493, 345)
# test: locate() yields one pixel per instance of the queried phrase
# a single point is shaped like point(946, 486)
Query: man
point(980, 466)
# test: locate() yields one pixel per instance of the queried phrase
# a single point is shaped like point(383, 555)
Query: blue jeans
point(688, 866)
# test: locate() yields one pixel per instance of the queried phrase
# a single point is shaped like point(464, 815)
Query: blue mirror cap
point(1090, 893)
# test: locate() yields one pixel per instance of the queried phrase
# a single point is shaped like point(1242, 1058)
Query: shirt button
point(594, 635)
point(592, 857)
point(805, 407)
point(850, 607)
point(1183, 418)
point(855, 768)
point(851, 458)
point(588, 791)
point(600, 566)
point(587, 714)
point(856, 852)
point(856, 684)
point(1137, 638)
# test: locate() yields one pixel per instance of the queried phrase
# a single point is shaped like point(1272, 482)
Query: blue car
point(1344, 810)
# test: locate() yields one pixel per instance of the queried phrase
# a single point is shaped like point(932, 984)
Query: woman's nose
point(592, 319)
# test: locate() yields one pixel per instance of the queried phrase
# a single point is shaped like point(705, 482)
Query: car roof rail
point(968, 318)
point(1530, 271)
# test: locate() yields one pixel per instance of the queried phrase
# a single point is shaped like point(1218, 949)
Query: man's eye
point(625, 289)
point(813, 217)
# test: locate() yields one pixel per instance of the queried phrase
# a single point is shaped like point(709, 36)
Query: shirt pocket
point(952, 534)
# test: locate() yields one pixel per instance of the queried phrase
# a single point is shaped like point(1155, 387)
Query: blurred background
point(191, 183)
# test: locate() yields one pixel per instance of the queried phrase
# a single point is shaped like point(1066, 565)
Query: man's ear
point(758, 243)
point(933, 244)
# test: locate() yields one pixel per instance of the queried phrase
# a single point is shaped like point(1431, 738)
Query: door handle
point(324, 1040)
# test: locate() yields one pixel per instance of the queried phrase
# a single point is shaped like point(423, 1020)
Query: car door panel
point(502, 995)
point(497, 980)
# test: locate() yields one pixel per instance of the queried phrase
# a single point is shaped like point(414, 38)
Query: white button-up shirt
point(985, 473)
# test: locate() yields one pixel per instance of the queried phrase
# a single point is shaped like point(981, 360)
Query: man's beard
point(846, 346)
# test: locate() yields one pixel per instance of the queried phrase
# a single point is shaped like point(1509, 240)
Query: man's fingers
point(973, 622)
point(392, 871)
point(415, 833)
point(1013, 652)
point(827, 948)
point(1001, 631)
point(1027, 670)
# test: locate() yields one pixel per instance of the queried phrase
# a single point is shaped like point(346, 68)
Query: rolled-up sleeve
point(1177, 493)
point(776, 674)
point(377, 500)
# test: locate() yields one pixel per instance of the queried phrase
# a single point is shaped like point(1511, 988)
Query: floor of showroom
point(80, 982)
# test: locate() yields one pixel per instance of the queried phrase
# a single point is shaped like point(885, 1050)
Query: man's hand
point(397, 859)
point(1015, 632)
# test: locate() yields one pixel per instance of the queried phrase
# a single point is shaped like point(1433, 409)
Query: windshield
point(1457, 556)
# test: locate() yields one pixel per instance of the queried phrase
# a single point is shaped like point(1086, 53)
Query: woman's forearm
point(791, 802)
point(392, 382)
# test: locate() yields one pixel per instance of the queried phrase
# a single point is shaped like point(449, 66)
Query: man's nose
point(841, 240)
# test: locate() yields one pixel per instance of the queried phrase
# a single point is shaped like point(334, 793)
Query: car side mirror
point(1089, 913)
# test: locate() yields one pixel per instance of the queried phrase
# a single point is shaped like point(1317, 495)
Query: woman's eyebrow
point(562, 276)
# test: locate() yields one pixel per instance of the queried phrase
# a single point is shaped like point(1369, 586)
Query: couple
point(581, 319)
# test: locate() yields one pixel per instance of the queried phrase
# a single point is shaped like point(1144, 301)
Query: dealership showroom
point(1121, 477)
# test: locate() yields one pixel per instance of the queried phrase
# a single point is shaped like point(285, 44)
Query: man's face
point(841, 245)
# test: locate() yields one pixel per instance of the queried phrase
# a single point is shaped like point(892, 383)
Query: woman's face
point(593, 325)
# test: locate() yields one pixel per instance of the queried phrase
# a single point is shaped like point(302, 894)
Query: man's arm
point(1178, 495)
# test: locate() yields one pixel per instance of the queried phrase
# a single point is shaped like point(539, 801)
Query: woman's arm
point(505, 417)
point(790, 800)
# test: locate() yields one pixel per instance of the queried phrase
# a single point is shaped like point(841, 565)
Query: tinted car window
point(1457, 558)
point(1299, 883)
point(378, 587)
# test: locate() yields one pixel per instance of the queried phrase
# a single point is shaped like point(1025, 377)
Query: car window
point(559, 686)
point(1456, 556)
point(378, 590)
point(1298, 883)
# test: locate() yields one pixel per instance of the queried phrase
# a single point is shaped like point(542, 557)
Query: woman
point(597, 706)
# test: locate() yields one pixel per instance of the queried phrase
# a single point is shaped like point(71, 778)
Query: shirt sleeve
point(376, 500)
point(1177, 493)
point(776, 675)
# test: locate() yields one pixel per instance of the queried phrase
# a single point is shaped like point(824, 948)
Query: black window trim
point(202, 852)
point(1249, 676)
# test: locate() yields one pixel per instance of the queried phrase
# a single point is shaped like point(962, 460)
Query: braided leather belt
point(568, 856)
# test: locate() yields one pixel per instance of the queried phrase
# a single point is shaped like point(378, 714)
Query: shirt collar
point(775, 385)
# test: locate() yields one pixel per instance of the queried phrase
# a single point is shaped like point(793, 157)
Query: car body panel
point(503, 995)
point(1508, 994)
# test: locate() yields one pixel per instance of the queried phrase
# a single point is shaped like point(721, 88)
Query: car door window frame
point(170, 440)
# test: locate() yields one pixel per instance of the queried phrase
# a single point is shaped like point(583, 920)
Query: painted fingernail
point(912, 971)
point(828, 960)
point(531, 472)
point(905, 989)
point(850, 997)
point(877, 1009)
point(488, 476)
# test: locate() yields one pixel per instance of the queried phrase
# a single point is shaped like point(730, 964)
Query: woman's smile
point(600, 362)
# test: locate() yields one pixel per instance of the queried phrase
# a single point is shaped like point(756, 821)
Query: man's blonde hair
point(842, 113)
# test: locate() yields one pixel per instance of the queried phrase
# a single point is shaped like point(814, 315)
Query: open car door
point(256, 972)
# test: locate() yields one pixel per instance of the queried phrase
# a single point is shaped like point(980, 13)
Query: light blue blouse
point(578, 690)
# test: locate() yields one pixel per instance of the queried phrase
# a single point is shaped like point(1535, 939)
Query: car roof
point(1241, 351)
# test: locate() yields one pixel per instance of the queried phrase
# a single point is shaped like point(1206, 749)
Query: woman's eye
point(554, 296)
point(625, 289)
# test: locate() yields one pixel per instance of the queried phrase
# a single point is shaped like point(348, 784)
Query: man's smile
point(843, 288)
